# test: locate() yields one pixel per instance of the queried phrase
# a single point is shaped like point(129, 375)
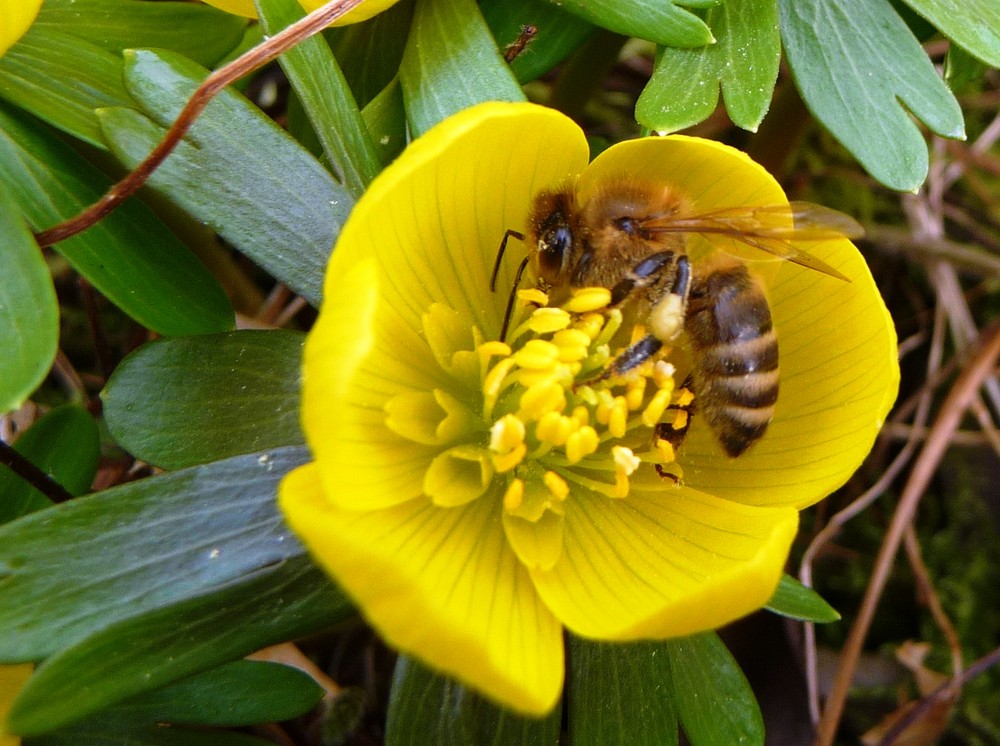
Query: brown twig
point(927, 702)
point(215, 82)
point(928, 594)
point(979, 366)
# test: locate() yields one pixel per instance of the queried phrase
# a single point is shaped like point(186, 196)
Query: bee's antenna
point(510, 299)
point(496, 265)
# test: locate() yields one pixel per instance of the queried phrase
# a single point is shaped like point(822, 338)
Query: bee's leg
point(509, 311)
point(643, 274)
point(503, 246)
point(636, 354)
point(684, 409)
point(666, 318)
point(675, 431)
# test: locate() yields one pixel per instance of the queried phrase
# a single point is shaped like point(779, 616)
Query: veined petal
point(435, 223)
point(364, 463)
point(15, 18)
point(664, 562)
point(838, 368)
point(441, 584)
point(362, 13)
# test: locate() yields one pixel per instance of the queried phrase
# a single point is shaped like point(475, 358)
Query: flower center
point(537, 418)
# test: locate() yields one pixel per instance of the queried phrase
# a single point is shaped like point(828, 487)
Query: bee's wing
point(770, 228)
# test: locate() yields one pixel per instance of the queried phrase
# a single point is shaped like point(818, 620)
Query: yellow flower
point(475, 497)
point(12, 679)
point(362, 13)
point(15, 18)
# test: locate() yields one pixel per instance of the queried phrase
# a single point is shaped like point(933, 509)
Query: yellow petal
point(664, 563)
point(15, 18)
point(837, 345)
point(434, 222)
point(365, 11)
point(439, 584)
point(12, 679)
point(366, 464)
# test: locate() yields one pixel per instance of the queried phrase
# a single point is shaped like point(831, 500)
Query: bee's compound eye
point(554, 246)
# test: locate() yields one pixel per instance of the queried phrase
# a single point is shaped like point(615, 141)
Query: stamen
point(552, 420)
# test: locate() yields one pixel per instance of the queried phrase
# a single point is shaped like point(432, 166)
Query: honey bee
point(631, 237)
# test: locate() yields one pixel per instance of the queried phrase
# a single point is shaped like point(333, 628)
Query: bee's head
point(552, 235)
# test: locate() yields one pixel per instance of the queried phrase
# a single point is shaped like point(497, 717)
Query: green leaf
point(426, 709)
point(857, 65)
point(139, 546)
point(620, 694)
point(235, 694)
point(370, 52)
point(130, 256)
point(559, 33)
point(279, 602)
point(662, 21)
point(714, 701)
point(326, 98)
point(29, 312)
point(794, 600)
point(385, 117)
point(200, 32)
point(110, 732)
point(236, 171)
point(191, 400)
point(974, 25)
point(684, 89)
point(451, 63)
point(62, 79)
point(64, 444)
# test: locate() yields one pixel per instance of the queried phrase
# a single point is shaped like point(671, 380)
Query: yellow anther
point(581, 443)
point(656, 407)
point(635, 392)
point(556, 485)
point(573, 345)
point(541, 398)
point(513, 496)
point(504, 462)
point(571, 338)
point(548, 320)
point(590, 324)
point(605, 403)
point(581, 415)
point(587, 395)
point(537, 354)
point(530, 296)
point(554, 428)
point(618, 421)
point(495, 348)
point(493, 383)
point(584, 300)
point(663, 374)
point(506, 434)
point(625, 459)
